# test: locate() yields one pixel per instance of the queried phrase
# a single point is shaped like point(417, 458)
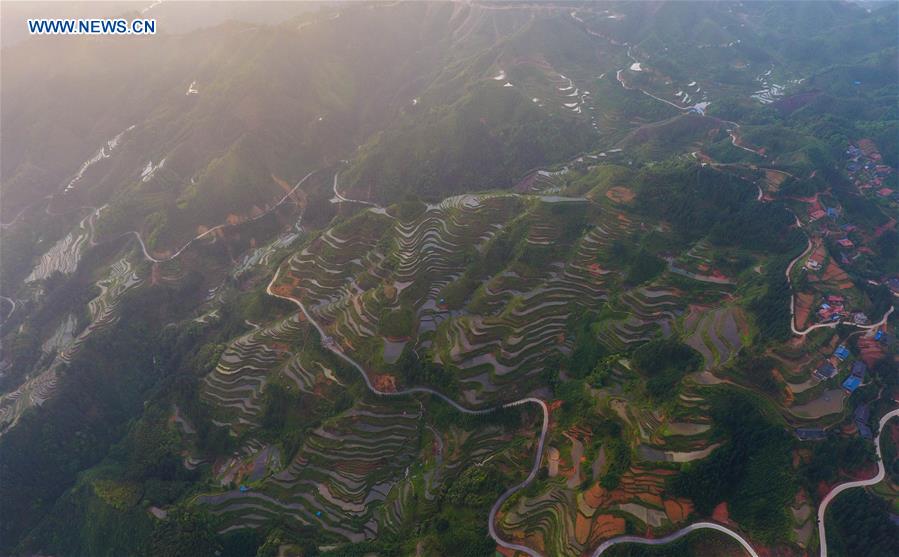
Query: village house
point(825, 371)
point(851, 383)
point(831, 308)
point(856, 376)
point(841, 352)
point(861, 416)
point(859, 318)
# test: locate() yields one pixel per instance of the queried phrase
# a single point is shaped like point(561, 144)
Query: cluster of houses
point(840, 234)
point(832, 308)
point(816, 212)
point(829, 368)
point(866, 167)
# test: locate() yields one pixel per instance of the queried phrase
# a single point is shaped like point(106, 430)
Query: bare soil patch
point(608, 526)
point(774, 179)
point(620, 194)
point(803, 307)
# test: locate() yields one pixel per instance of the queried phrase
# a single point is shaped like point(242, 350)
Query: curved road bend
point(731, 132)
point(149, 257)
point(529, 400)
point(12, 307)
point(143, 246)
point(676, 536)
point(491, 521)
point(832, 324)
point(341, 199)
point(881, 472)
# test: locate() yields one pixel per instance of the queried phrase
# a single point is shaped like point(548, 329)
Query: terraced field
point(122, 277)
point(644, 313)
point(490, 349)
point(41, 385)
point(350, 282)
point(65, 254)
point(236, 385)
point(358, 474)
point(358, 276)
point(565, 521)
point(375, 284)
point(714, 333)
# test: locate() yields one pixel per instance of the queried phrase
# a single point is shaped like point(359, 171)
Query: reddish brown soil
point(871, 351)
point(678, 509)
point(620, 194)
point(721, 513)
point(582, 527)
point(385, 383)
point(803, 307)
point(607, 526)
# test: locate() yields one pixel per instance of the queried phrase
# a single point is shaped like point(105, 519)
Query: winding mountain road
point(143, 246)
point(676, 536)
point(341, 199)
point(744, 543)
point(831, 324)
point(12, 308)
point(538, 458)
point(881, 472)
point(149, 257)
point(333, 347)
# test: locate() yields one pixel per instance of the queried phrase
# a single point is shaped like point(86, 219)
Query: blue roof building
point(841, 352)
point(810, 433)
point(852, 383)
point(858, 369)
point(861, 415)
